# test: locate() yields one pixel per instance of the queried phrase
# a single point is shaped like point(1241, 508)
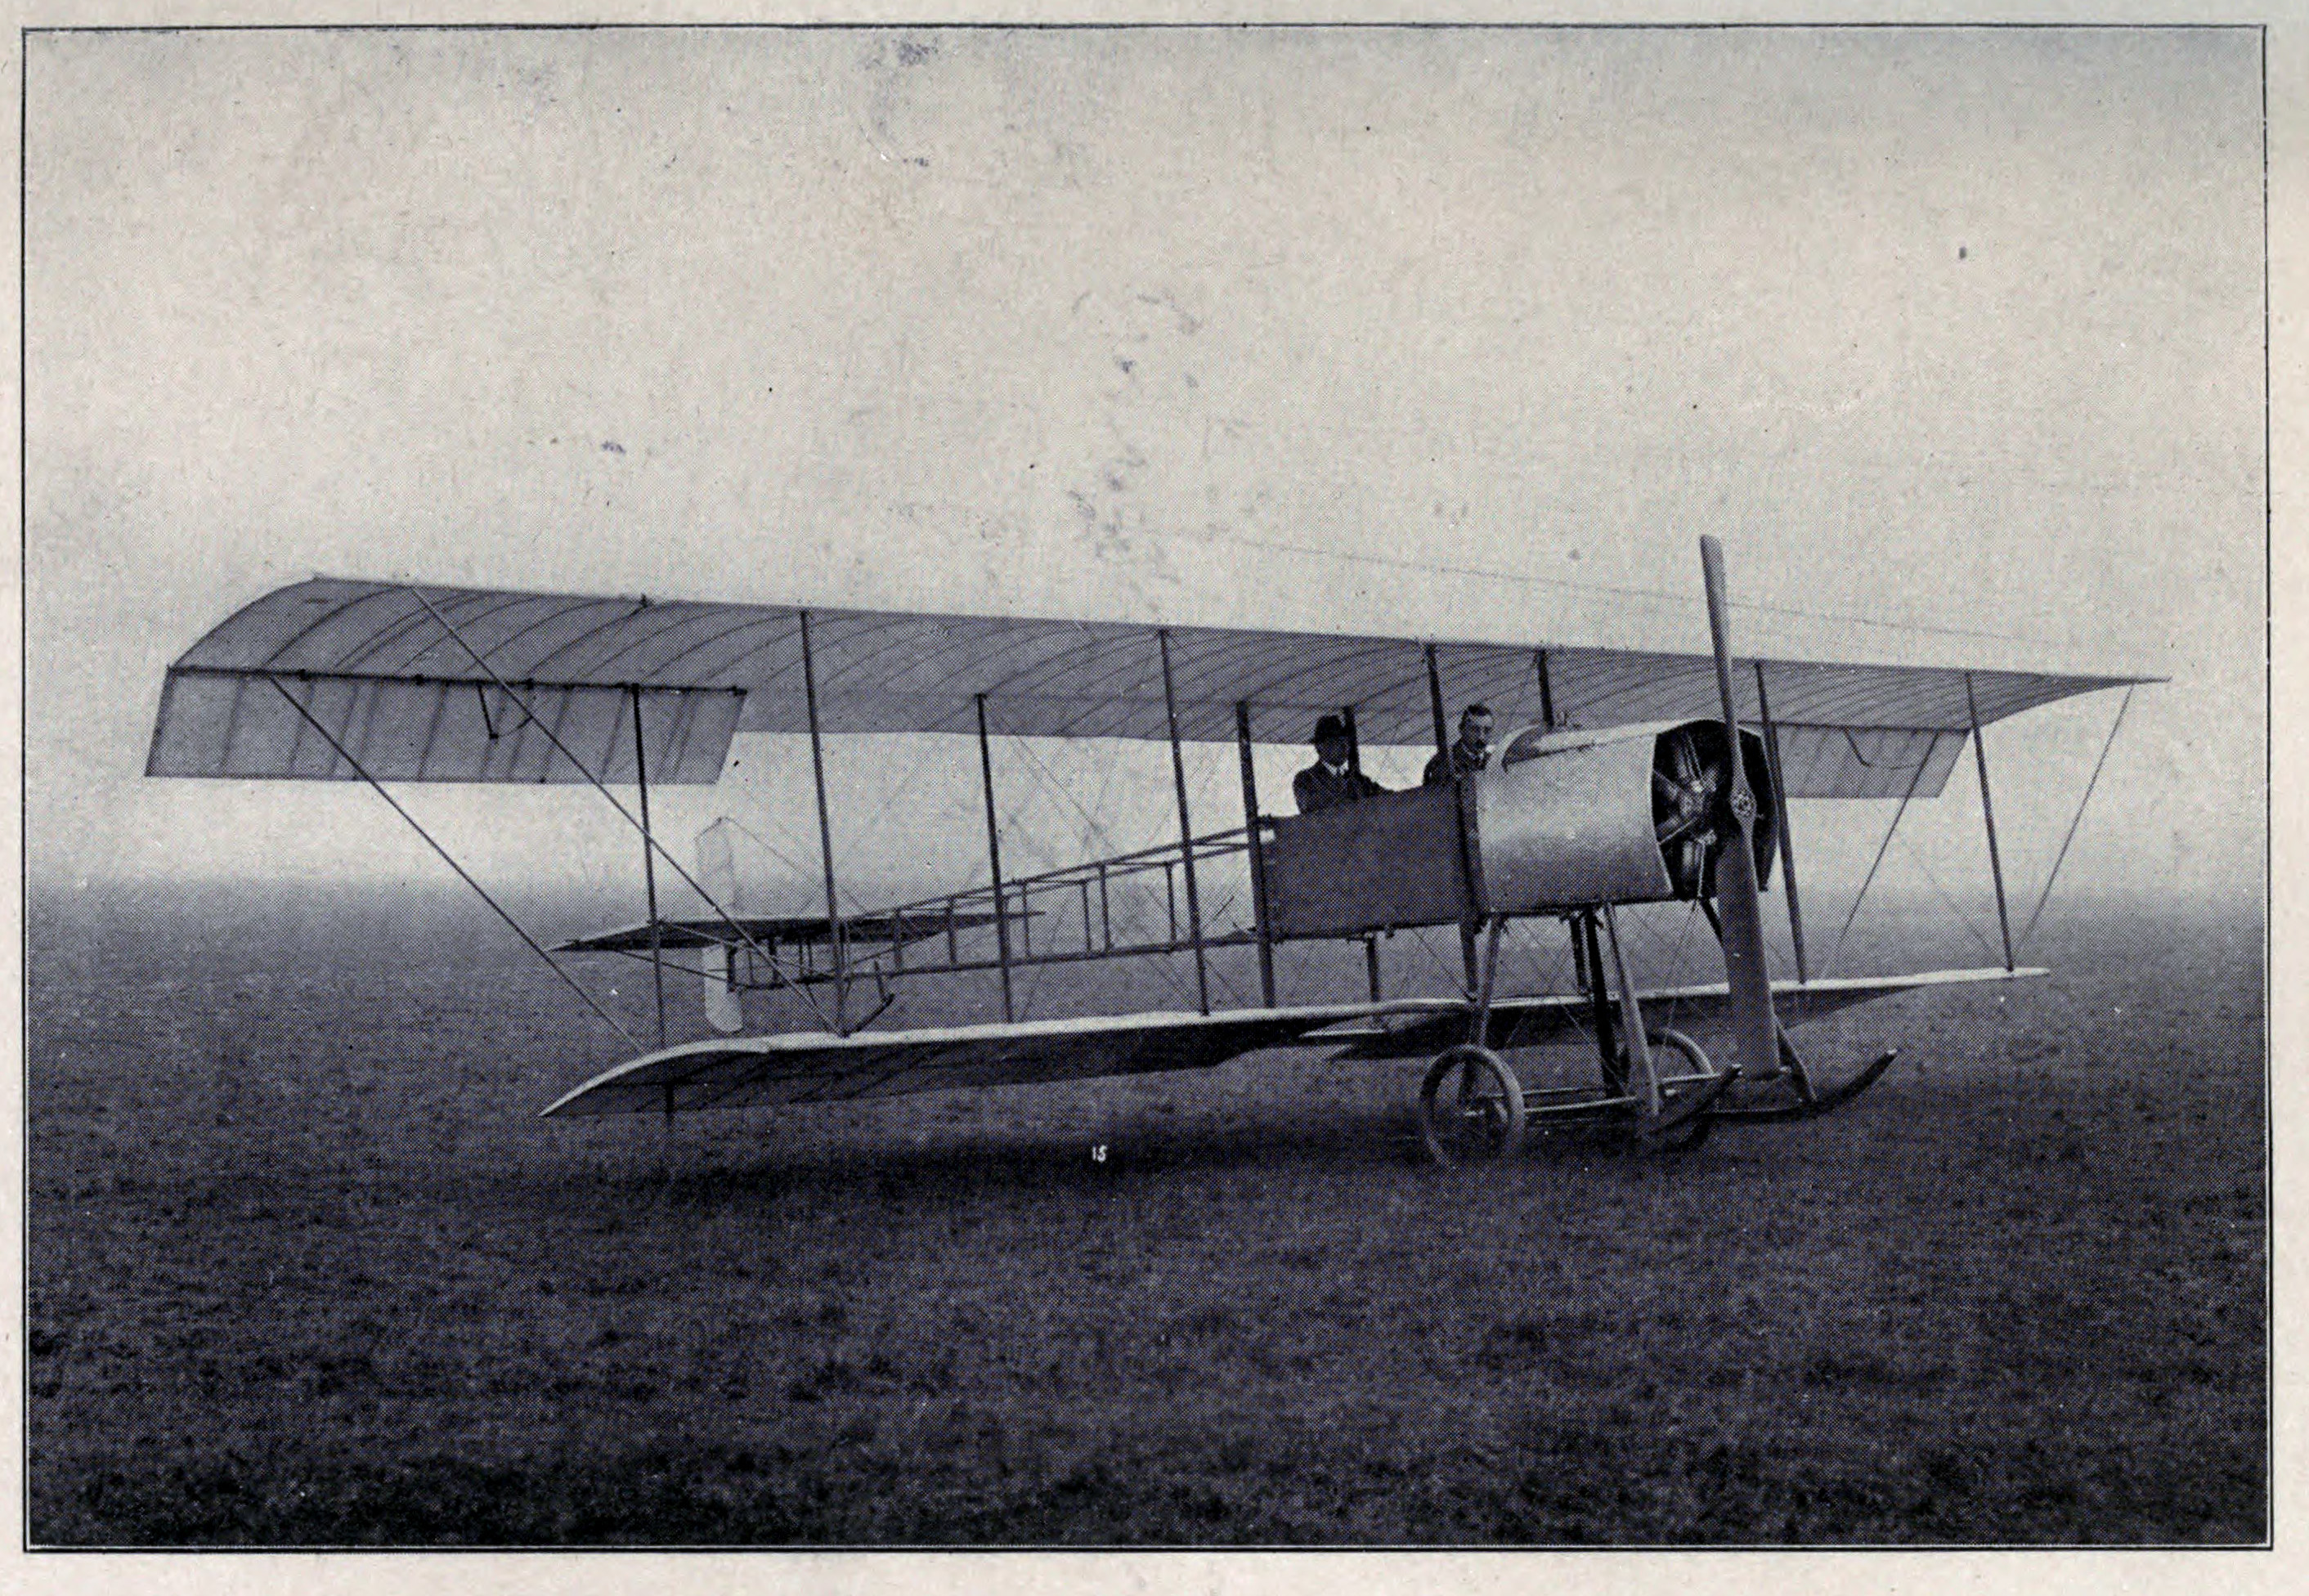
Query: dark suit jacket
point(1462, 764)
point(1316, 788)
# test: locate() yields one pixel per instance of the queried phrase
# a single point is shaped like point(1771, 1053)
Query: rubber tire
point(1508, 1137)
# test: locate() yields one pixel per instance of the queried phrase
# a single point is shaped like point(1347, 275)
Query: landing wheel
point(1470, 1107)
point(1675, 1056)
point(1689, 1083)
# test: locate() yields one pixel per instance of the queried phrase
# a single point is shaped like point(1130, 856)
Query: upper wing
point(814, 1067)
point(1526, 1021)
point(403, 693)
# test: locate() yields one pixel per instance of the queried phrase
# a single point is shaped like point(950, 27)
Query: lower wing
point(1526, 1021)
point(814, 1067)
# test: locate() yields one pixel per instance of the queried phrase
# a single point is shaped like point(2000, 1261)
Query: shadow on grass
point(1056, 1165)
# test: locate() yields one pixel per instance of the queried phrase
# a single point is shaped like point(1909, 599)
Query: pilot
point(1330, 780)
point(1469, 755)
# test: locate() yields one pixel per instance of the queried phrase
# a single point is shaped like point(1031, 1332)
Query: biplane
point(1650, 778)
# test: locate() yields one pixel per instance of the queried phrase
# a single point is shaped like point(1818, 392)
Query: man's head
point(1330, 740)
point(1476, 727)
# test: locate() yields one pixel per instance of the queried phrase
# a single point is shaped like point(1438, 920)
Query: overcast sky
point(1955, 337)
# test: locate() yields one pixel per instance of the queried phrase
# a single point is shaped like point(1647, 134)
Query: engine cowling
point(1630, 814)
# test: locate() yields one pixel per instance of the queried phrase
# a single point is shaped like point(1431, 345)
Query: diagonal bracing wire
point(1235, 998)
point(1130, 914)
point(447, 858)
point(2058, 859)
point(1883, 848)
point(1545, 966)
point(1456, 980)
point(766, 846)
point(1106, 839)
point(648, 840)
point(1955, 909)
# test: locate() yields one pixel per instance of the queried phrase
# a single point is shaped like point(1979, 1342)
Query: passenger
point(1331, 780)
point(1469, 755)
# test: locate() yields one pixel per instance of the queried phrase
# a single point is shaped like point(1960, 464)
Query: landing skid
point(1684, 1123)
point(1811, 1104)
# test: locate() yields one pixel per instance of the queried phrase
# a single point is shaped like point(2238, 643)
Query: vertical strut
point(1546, 691)
point(1590, 959)
point(1480, 1034)
point(994, 859)
point(1435, 706)
point(1988, 814)
point(553, 736)
point(1250, 824)
point(1631, 1012)
point(1468, 913)
point(649, 869)
point(1370, 964)
point(824, 832)
point(1787, 829)
point(1186, 830)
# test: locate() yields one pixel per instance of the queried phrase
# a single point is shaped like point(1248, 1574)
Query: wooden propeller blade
point(1755, 1029)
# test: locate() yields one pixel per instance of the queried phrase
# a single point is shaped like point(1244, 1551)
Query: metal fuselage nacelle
point(1562, 820)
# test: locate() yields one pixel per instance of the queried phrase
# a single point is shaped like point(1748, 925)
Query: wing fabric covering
point(408, 698)
point(238, 724)
point(816, 1067)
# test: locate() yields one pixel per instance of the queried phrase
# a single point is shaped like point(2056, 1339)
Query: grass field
point(304, 1267)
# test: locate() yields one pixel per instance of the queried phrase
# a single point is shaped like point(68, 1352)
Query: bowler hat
point(1330, 729)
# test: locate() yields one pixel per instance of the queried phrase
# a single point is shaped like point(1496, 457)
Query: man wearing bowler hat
point(1331, 780)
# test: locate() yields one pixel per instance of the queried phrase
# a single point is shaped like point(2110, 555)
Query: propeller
point(1755, 1028)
